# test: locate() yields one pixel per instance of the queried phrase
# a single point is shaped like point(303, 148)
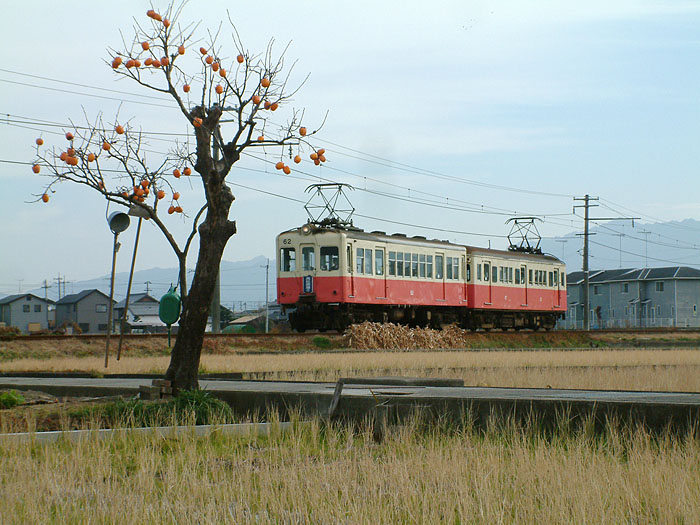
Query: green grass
point(10, 399)
point(190, 407)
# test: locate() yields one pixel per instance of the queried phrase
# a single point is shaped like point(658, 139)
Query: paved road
point(66, 385)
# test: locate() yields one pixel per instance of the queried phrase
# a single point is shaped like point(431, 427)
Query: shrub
point(322, 342)
point(10, 399)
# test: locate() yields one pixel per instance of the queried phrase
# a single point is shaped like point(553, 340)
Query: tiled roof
point(137, 298)
point(77, 297)
point(635, 274)
point(12, 298)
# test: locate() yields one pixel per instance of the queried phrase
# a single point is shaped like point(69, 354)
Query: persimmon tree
point(110, 158)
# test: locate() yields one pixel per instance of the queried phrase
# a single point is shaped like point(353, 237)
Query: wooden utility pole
point(586, 218)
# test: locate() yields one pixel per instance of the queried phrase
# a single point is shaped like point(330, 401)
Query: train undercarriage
point(338, 316)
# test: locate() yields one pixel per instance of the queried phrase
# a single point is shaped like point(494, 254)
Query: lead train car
point(332, 277)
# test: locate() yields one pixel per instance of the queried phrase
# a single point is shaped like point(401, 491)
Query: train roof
point(417, 240)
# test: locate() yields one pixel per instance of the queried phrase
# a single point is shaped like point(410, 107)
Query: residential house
point(142, 316)
point(635, 298)
point(89, 309)
point(26, 311)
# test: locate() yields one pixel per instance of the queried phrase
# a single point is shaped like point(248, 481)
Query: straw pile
point(393, 336)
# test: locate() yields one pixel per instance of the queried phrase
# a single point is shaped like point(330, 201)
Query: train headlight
point(306, 229)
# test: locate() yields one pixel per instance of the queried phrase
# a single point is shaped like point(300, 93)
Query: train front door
point(523, 279)
point(308, 267)
point(557, 281)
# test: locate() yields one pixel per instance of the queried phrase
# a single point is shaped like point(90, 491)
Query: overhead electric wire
point(635, 254)
point(666, 223)
point(26, 84)
point(664, 244)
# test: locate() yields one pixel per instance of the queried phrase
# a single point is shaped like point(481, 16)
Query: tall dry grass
point(625, 369)
point(321, 475)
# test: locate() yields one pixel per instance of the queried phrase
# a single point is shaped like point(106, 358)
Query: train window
point(449, 268)
point(399, 264)
point(530, 276)
point(469, 272)
point(494, 274)
point(556, 277)
point(308, 258)
point(288, 260)
point(487, 269)
point(439, 272)
point(429, 267)
point(551, 279)
point(522, 275)
point(407, 264)
point(368, 262)
point(517, 276)
point(360, 260)
point(455, 267)
point(478, 272)
point(330, 260)
point(414, 265)
point(500, 274)
point(379, 262)
point(422, 263)
point(348, 255)
point(510, 275)
point(392, 263)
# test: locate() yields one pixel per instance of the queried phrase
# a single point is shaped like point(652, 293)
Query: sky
point(447, 118)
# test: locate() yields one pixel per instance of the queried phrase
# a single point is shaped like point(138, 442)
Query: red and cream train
point(330, 277)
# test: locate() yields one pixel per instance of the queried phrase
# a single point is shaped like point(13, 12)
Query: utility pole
point(646, 247)
point(586, 218)
point(267, 287)
point(563, 245)
point(19, 285)
point(620, 235)
point(58, 280)
point(216, 297)
point(148, 286)
point(46, 296)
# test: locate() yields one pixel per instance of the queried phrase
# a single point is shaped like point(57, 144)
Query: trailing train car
point(330, 277)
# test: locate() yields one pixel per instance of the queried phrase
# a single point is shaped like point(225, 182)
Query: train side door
point(380, 271)
point(523, 279)
point(557, 282)
point(465, 277)
point(440, 275)
point(487, 278)
point(308, 267)
point(350, 268)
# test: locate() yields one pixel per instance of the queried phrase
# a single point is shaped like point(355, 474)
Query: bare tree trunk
point(214, 233)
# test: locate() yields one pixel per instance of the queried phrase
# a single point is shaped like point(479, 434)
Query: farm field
point(320, 474)
point(656, 369)
point(323, 473)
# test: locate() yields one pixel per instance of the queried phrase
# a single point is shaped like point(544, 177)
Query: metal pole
point(128, 290)
point(267, 313)
point(111, 298)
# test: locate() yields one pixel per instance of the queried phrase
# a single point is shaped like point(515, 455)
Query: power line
point(103, 97)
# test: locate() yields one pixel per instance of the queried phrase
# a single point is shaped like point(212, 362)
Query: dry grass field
point(337, 475)
point(319, 474)
point(618, 369)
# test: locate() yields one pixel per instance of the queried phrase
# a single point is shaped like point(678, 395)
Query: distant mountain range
point(615, 244)
point(242, 283)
